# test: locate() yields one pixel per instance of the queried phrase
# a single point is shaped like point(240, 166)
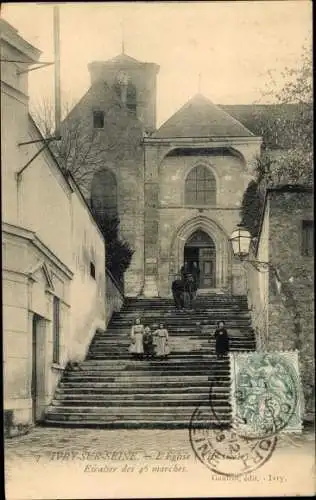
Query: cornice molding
point(20, 232)
point(201, 141)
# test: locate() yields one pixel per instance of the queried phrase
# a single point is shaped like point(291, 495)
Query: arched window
point(104, 192)
point(200, 187)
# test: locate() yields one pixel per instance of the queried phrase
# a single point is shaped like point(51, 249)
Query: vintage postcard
point(158, 249)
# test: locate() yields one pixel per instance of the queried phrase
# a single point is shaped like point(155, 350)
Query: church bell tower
point(134, 81)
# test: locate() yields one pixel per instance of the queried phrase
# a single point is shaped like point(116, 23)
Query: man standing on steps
point(196, 274)
point(184, 271)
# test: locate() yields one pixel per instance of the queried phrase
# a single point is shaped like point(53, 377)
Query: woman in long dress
point(137, 333)
point(221, 340)
point(162, 346)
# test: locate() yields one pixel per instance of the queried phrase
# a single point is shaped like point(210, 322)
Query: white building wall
point(44, 202)
point(49, 239)
point(87, 293)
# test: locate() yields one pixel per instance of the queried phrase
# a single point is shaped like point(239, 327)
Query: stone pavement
point(96, 463)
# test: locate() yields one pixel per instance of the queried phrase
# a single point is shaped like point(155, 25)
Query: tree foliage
point(291, 126)
point(82, 149)
point(79, 150)
point(287, 153)
point(251, 208)
point(119, 253)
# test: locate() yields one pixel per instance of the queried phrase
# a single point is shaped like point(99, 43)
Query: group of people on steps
point(149, 344)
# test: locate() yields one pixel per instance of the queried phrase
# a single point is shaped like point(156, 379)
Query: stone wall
point(282, 299)
point(177, 221)
point(119, 149)
point(291, 320)
point(142, 76)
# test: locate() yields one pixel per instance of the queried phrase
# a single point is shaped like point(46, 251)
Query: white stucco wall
point(87, 294)
point(49, 239)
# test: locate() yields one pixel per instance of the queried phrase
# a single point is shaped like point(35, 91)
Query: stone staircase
point(109, 389)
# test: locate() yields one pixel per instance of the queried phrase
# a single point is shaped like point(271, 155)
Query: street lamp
point(240, 240)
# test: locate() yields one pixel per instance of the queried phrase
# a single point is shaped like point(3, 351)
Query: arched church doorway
point(200, 256)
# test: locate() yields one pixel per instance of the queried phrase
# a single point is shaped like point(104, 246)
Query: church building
point(177, 189)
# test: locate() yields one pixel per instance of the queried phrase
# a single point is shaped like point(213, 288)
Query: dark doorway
point(38, 381)
point(200, 255)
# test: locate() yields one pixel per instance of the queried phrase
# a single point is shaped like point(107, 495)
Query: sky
point(231, 45)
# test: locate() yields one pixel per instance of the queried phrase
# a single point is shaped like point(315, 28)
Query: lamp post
point(240, 240)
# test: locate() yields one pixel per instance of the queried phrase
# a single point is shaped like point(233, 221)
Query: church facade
point(177, 189)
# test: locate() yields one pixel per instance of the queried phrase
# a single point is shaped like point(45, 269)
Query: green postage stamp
point(266, 393)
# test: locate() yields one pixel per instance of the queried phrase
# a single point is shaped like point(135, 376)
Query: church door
point(200, 255)
point(207, 267)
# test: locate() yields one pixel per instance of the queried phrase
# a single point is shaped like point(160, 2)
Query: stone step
point(139, 401)
point(152, 364)
point(141, 389)
point(133, 424)
point(211, 309)
point(123, 336)
point(110, 389)
point(181, 322)
point(212, 364)
point(101, 375)
point(175, 342)
point(181, 315)
point(123, 422)
point(119, 355)
point(219, 381)
point(199, 300)
point(216, 298)
point(149, 385)
point(125, 342)
point(133, 374)
point(110, 370)
point(102, 353)
point(175, 358)
point(179, 411)
point(184, 348)
point(198, 332)
point(176, 355)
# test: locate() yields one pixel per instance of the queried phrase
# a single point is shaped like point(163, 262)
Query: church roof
point(123, 59)
point(199, 117)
